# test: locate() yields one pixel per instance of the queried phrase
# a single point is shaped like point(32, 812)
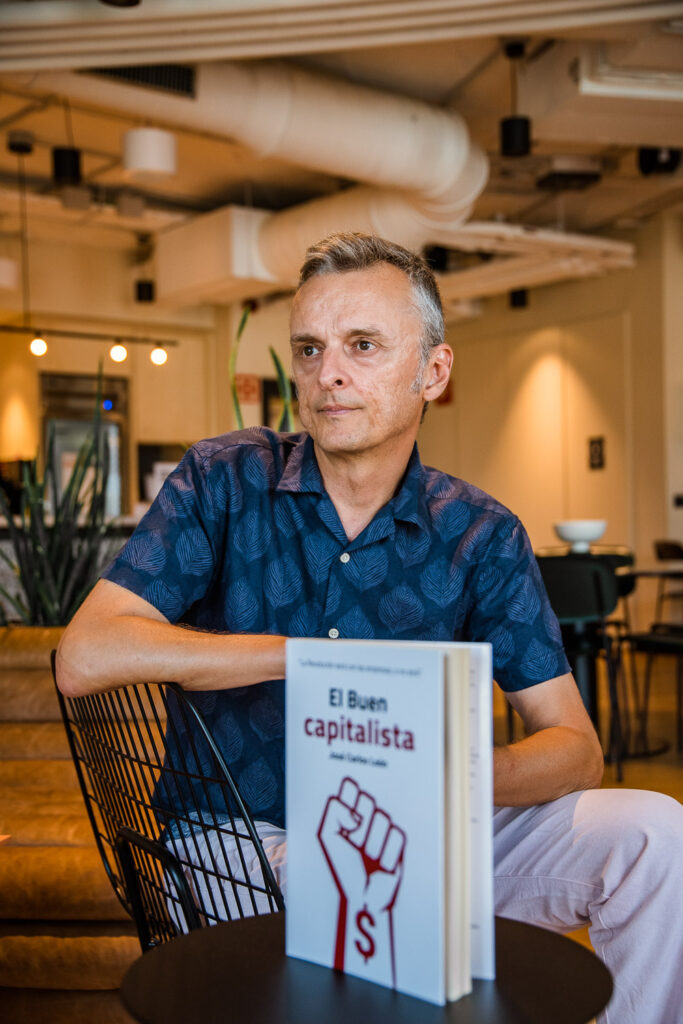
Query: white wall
point(673, 354)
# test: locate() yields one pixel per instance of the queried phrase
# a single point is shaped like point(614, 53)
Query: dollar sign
point(366, 951)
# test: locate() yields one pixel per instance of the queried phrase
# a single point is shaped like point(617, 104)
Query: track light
point(38, 346)
point(158, 355)
point(118, 352)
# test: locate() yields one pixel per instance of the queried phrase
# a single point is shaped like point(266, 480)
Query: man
point(342, 532)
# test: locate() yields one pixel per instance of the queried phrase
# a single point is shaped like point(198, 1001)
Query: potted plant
point(58, 540)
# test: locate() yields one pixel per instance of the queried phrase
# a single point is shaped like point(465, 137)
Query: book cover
point(366, 816)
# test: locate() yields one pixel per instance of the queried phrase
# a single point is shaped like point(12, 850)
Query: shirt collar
point(302, 475)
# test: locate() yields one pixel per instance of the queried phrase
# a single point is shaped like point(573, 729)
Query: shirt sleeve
point(511, 611)
point(170, 560)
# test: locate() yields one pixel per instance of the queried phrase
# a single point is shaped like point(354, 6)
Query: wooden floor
point(662, 773)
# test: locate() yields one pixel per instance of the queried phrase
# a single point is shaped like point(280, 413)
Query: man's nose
point(332, 373)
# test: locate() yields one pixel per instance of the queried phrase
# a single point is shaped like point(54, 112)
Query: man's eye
point(308, 350)
point(364, 345)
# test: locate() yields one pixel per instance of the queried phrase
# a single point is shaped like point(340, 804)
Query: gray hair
point(340, 253)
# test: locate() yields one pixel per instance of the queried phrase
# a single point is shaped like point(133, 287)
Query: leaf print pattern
point(442, 583)
point(252, 536)
point(487, 583)
point(243, 539)
point(193, 552)
point(539, 662)
point(258, 786)
point(146, 551)
point(450, 519)
point(367, 568)
point(283, 582)
point(356, 626)
point(524, 602)
point(503, 644)
point(242, 608)
point(287, 517)
point(401, 609)
point(319, 551)
point(228, 736)
point(412, 546)
point(266, 719)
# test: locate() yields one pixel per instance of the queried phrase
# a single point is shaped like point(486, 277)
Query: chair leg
point(510, 722)
point(679, 705)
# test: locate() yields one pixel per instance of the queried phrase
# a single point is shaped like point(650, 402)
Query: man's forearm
point(133, 649)
point(545, 766)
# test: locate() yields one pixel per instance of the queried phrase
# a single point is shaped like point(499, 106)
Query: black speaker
point(66, 166)
point(515, 136)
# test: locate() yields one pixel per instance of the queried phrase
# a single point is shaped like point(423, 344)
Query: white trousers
point(611, 859)
point(608, 858)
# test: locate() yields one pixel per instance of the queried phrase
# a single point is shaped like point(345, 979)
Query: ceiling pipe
point(425, 170)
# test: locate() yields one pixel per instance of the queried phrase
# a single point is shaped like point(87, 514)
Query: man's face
point(355, 355)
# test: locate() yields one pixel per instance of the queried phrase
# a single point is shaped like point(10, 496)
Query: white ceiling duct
point(426, 172)
point(580, 92)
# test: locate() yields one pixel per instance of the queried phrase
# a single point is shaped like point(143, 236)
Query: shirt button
point(333, 633)
point(345, 557)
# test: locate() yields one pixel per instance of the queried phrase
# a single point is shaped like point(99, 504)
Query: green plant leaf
point(285, 392)
point(232, 372)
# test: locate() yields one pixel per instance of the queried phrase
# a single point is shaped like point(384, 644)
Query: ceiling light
point(158, 355)
point(149, 152)
point(118, 352)
point(38, 346)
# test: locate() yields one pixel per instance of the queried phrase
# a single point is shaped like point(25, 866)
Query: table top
point(238, 971)
point(666, 570)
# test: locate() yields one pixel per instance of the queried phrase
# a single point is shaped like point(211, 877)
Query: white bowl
point(580, 533)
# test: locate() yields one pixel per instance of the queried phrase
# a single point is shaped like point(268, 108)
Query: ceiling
point(598, 86)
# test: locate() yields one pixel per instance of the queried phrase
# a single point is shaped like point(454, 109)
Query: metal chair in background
point(176, 838)
point(583, 593)
point(662, 638)
point(667, 551)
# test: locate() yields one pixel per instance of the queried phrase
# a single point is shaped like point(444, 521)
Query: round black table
point(238, 972)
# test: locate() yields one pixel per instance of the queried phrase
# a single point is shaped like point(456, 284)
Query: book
point(389, 812)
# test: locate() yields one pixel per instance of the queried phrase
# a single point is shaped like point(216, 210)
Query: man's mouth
point(334, 410)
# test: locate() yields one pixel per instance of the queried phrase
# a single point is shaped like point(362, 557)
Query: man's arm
point(117, 637)
point(560, 754)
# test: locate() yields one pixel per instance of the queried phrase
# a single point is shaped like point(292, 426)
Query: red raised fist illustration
point(364, 850)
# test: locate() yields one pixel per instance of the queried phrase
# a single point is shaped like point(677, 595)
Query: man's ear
point(438, 372)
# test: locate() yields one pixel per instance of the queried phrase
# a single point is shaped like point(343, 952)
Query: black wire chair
point(176, 838)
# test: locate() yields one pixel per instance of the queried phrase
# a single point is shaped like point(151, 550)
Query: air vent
point(178, 79)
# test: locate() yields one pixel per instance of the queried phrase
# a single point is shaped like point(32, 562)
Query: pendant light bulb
point(158, 355)
point(118, 352)
point(38, 346)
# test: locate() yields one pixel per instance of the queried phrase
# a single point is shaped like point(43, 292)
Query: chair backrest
point(668, 550)
point(177, 840)
point(618, 560)
point(580, 588)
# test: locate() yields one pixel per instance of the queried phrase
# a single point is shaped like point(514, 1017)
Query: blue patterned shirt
point(243, 538)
